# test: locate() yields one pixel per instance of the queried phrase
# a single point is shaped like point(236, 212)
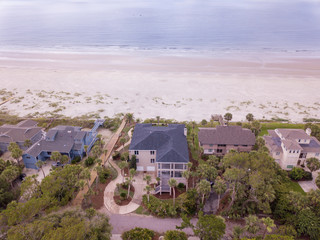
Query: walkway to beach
point(109, 147)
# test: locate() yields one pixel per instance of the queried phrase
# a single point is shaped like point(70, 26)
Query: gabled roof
point(63, 141)
point(273, 143)
point(291, 144)
point(233, 135)
point(20, 132)
point(169, 142)
point(293, 134)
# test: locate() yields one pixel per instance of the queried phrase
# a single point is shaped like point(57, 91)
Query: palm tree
point(122, 166)
point(123, 141)
point(158, 119)
point(96, 151)
point(99, 171)
point(40, 164)
point(173, 183)
point(228, 117)
point(252, 224)
point(219, 187)
point(148, 189)
point(130, 117)
point(313, 164)
point(249, 117)
point(130, 179)
point(203, 188)
point(269, 224)
point(64, 159)
point(16, 154)
point(56, 156)
point(27, 143)
point(85, 174)
point(147, 178)
point(186, 174)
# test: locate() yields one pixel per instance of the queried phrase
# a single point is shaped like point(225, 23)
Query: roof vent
point(308, 131)
point(69, 131)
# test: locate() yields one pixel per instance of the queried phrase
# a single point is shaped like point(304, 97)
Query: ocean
point(181, 25)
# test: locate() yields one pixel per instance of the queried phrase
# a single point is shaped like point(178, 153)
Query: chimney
point(185, 131)
point(308, 131)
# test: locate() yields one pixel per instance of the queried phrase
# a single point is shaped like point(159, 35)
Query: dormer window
point(299, 140)
point(290, 151)
point(294, 151)
point(305, 140)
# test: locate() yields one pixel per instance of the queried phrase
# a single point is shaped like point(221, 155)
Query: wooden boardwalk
point(104, 157)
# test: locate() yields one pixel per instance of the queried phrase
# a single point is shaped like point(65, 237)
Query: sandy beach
point(181, 87)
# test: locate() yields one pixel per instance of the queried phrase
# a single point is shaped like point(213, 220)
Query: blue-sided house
point(67, 140)
point(161, 151)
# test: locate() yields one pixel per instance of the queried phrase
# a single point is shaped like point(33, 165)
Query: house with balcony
point(291, 147)
point(222, 139)
point(162, 151)
point(68, 140)
point(24, 130)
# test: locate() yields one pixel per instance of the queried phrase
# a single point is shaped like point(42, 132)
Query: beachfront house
point(67, 140)
point(20, 133)
point(161, 151)
point(222, 139)
point(291, 147)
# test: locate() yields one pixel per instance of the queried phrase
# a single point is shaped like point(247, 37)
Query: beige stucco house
point(222, 139)
point(162, 151)
point(291, 147)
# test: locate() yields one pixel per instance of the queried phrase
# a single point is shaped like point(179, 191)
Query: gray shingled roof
point(273, 143)
point(20, 132)
point(169, 142)
point(294, 134)
point(274, 140)
point(63, 142)
point(233, 135)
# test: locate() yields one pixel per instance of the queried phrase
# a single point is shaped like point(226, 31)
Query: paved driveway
point(46, 168)
point(307, 186)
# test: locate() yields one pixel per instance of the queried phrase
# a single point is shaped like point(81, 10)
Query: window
point(244, 145)
point(159, 166)
point(178, 166)
point(236, 145)
point(294, 151)
point(177, 174)
point(289, 166)
point(278, 153)
point(210, 150)
point(305, 140)
point(219, 150)
point(299, 140)
point(317, 154)
point(222, 145)
point(151, 152)
point(297, 151)
point(152, 160)
point(210, 145)
point(136, 152)
point(290, 151)
point(137, 160)
point(165, 166)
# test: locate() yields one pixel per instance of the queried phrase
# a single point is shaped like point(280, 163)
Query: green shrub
point(123, 195)
point(104, 175)
point(296, 173)
point(138, 234)
point(287, 230)
point(278, 237)
point(89, 161)
point(159, 207)
point(116, 155)
point(175, 235)
point(181, 186)
point(133, 162)
point(188, 202)
point(307, 176)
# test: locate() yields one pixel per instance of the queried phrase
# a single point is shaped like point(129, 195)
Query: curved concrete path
point(138, 184)
point(110, 204)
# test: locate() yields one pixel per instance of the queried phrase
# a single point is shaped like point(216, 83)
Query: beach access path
point(108, 147)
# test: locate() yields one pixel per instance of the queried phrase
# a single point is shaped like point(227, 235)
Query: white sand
point(181, 88)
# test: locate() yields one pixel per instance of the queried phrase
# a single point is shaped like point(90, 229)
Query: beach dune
point(184, 87)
